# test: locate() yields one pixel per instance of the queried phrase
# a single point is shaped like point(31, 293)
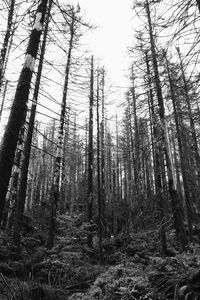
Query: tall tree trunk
point(4, 49)
point(19, 107)
point(136, 162)
point(21, 197)
point(55, 188)
point(157, 157)
point(10, 207)
point(103, 154)
point(192, 125)
point(90, 154)
point(182, 153)
point(62, 206)
point(99, 178)
point(175, 200)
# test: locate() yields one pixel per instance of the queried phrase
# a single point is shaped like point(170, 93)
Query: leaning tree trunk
point(55, 188)
point(4, 49)
point(21, 196)
point(19, 107)
point(175, 200)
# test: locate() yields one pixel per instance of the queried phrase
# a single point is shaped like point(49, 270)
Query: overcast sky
point(113, 35)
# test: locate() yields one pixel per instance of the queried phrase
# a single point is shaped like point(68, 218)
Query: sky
point(109, 42)
point(112, 36)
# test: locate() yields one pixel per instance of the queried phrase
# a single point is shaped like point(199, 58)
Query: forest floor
point(133, 269)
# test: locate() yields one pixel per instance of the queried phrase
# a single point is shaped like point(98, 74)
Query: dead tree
point(175, 200)
point(19, 107)
point(21, 196)
point(4, 49)
point(90, 154)
point(54, 199)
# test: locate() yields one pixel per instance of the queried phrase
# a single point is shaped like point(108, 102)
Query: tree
point(90, 154)
point(19, 107)
point(99, 177)
point(21, 195)
point(56, 180)
point(4, 49)
point(175, 200)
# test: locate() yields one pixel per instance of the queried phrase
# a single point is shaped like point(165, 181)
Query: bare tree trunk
point(103, 186)
point(157, 157)
point(182, 155)
point(19, 107)
point(4, 49)
point(55, 188)
point(10, 207)
point(175, 200)
point(21, 197)
point(192, 125)
point(136, 162)
point(99, 178)
point(3, 99)
point(62, 206)
point(90, 154)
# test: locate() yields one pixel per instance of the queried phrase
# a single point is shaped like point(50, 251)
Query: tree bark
point(157, 158)
point(99, 178)
point(3, 99)
point(19, 107)
point(21, 196)
point(182, 155)
point(4, 49)
point(90, 154)
point(55, 188)
point(175, 200)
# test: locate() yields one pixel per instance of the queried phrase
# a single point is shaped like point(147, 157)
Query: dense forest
point(99, 200)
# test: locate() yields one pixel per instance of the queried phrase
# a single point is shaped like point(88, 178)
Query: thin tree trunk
point(99, 178)
point(157, 157)
point(55, 188)
point(175, 200)
point(182, 155)
point(192, 125)
point(4, 49)
point(103, 156)
point(3, 99)
point(90, 154)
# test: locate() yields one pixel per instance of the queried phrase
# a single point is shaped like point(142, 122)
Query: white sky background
point(108, 43)
point(110, 40)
